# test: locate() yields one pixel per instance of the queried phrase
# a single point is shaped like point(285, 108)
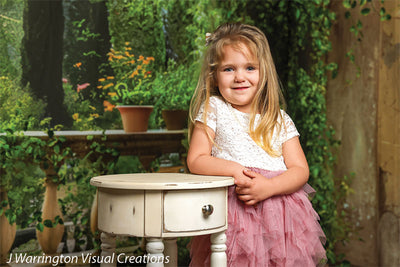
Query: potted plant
point(175, 89)
point(129, 90)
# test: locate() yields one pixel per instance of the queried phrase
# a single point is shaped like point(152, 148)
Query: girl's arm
point(200, 161)
point(260, 188)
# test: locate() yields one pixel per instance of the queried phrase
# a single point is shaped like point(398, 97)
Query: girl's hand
point(239, 175)
point(253, 189)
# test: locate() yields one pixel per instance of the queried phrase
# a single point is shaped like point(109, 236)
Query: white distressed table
point(161, 206)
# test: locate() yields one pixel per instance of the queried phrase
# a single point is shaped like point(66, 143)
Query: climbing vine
point(306, 88)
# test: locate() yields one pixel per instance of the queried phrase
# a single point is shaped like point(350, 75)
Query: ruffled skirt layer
point(279, 231)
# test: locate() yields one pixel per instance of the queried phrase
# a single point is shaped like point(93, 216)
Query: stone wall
point(365, 112)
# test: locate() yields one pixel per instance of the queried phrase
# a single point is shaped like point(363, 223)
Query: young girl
point(239, 130)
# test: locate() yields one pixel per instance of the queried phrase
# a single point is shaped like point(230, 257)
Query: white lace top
point(232, 141)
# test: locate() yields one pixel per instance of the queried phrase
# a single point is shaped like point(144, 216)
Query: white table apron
point(162, 206)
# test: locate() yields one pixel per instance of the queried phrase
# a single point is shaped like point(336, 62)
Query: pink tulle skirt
point(279, 231)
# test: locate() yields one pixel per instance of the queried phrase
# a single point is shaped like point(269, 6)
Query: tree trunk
point(42, 54)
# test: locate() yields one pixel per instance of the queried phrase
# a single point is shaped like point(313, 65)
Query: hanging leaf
point(48, 223)
point(365, 11)
point(382, 11)
point(40, 227)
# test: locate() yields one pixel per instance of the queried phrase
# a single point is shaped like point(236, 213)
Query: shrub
point(19, 109)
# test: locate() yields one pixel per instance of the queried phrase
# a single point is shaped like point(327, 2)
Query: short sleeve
point(211, 119)
point(289, 130)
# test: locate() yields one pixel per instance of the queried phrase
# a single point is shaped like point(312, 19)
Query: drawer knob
point(207, 210)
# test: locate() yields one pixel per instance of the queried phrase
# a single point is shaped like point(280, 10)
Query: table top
point(160, 181)
point(98, 132)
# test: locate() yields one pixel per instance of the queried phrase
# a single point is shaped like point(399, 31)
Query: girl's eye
point(251, 68)
point(228, 69)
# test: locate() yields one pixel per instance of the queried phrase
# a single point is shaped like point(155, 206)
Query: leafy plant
point(175, 87)
point(140, 23)
point(11, 33)
point(130, 85)
point(19, 110)
point(20, 178)
point(84, 114)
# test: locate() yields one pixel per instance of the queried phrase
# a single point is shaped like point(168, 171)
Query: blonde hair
point(268, 97)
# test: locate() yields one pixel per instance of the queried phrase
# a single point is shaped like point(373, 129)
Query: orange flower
point(102, 80)
point(112, 94)
point(108, 85)
point(134, 73)
point(150, 58)
point(108, 106)
point(110, 77)
point(141, 58)
point(78, 65)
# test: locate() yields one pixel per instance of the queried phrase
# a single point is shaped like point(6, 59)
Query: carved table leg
point(155, 249)
point(170, 252)
point(108, 244)
point(218, 248)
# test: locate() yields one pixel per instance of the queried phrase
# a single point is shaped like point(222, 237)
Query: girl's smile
point(238, 76)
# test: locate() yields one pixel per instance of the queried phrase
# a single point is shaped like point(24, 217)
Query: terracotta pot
point(135, 118)
point(7, 232)
point(175, 119)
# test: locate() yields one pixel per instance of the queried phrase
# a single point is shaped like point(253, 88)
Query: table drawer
point(121, 211)
point(183, 209)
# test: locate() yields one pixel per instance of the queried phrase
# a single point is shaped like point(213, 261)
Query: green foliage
point(20, 177)
point(84, 114)
point(86, 42)
point(207, 16)
point(175, 86)
point(77, 172)
point(305, 94)
point(18, 107)
point(140, 23)
point(364, 7)
point(11, 33)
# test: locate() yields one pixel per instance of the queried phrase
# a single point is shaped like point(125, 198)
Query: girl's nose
point(239, 77)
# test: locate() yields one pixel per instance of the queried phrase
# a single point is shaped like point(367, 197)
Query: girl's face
point(238, 76)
